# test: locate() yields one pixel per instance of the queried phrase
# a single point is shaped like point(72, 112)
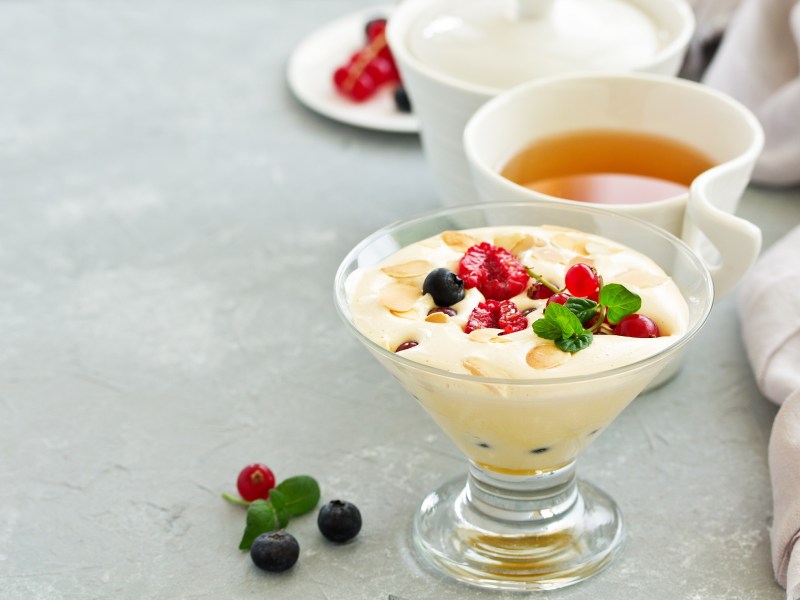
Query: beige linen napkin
point(757, 63)
point(771, 333)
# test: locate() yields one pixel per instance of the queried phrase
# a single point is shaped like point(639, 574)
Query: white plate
point(310, 75)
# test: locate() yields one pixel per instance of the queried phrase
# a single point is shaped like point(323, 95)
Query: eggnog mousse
point(521, 332)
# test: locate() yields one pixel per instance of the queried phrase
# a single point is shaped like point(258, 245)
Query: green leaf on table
point(301, 494)
point(261, 518)
point(278, 501)
point(620, 301)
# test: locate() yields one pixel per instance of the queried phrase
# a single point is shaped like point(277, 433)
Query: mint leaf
point(546, 329)
point(620, 301)
point(278, 501)
point(575, 343)
point(261, 518)
point(564, 319)
point(301, 494)
point(583, 308)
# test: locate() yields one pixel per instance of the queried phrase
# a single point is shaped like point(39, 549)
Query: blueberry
point(339, 521)
point(401, 100)
point(275, 551)
point(406, 346)
point(444, 286)
point(444, 310)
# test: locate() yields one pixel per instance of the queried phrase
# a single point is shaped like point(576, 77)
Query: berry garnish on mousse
point(496, 272)
point(406, 345)
point(571, 319)
point(499, 314)
point(637, 325)
point(444, 286)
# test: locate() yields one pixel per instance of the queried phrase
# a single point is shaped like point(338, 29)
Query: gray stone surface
point(170, 223)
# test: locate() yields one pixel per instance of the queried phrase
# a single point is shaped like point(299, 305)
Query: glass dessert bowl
point(518, 406)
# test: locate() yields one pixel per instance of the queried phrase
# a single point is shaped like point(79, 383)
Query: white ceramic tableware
point(688, 112)
point(454, 55)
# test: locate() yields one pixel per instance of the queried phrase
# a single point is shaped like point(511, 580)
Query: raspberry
point(496, 272)
point(499, 314)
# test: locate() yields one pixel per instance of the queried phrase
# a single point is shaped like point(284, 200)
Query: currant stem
point(602, 317)
point(542, 280)
point(239, 501)
point(369, 52)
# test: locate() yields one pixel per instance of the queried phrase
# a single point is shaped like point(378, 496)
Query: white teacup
point(454, 55)
point(687, 112)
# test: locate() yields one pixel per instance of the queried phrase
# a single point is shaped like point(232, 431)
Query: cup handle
point(736, 240)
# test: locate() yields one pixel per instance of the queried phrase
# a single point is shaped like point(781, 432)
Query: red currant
point(374, 28)
point(539, 291)
point(255, 481)
point(363, 87)
point(560, 298)
point(581, 280)
point(381, 70)
point(638, 326)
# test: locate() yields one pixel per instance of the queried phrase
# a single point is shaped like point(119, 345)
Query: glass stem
point(515, 498)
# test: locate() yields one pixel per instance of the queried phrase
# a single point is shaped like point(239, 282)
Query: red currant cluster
point(369, 68)
point(582, 281)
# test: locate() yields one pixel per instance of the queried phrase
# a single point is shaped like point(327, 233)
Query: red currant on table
point(255, 481)
point(369, 68)
point(637, 325)
point(581, 280)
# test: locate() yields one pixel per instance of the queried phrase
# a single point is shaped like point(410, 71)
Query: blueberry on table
point(339, 521)
point(275, 551)
point(445, 287)
point(401, 99)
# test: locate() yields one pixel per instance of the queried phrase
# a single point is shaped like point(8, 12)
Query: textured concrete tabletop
point(170, 222)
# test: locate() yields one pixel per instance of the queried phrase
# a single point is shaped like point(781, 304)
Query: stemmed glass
point(520, 519)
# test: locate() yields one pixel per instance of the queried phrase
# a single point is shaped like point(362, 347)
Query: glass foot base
point(460, 535)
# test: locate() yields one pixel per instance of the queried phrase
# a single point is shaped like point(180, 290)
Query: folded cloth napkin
point(771, 333)
point(758, 64)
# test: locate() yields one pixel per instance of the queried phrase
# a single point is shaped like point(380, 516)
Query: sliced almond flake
point(437, 317)
point(546, 356)
point(408, 269)
point(597, 248)
point(640, 279)
point(526, 243)
point(499, 339)
point(559, 228)
point(481, 367)
point(508, 240)
point(483, 335)
point(570, 242)
point(458, 240)
point(400, 297)
point(581, 259)
point(405, 314)
point(550, 255)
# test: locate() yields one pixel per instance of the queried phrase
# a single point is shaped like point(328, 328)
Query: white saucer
point(310, 75)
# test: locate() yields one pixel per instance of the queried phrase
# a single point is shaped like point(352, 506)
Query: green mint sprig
point(292, 497)
point(572, 325)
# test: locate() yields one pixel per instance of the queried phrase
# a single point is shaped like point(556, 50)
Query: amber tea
point(607, 166)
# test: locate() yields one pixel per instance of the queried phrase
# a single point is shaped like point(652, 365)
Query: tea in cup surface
point(607, 166)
